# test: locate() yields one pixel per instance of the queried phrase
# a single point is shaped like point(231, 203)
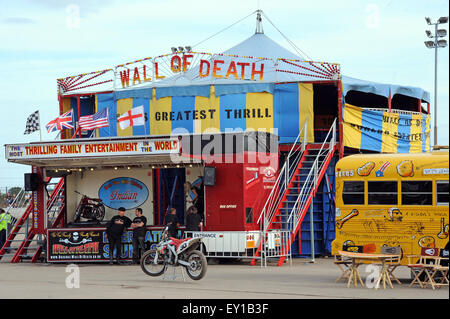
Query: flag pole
point(40, 131)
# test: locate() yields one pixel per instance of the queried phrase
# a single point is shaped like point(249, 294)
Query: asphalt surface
point(301, 280)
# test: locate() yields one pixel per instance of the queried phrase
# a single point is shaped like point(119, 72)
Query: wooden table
point(359, 258)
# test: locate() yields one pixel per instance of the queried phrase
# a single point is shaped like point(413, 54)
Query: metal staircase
point(292, 194)
point(30, 243)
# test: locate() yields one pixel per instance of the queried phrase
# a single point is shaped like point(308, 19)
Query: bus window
point(353, 193)
point(442, 192)
point(417, 193)
point(382, 193)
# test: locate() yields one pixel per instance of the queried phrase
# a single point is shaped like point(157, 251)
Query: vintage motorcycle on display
point(175, 252)
point(89, 208)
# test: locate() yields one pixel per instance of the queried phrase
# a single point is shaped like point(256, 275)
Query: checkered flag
point(32, 123)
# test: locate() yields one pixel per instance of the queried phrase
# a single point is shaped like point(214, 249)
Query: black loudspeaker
point(209, 176)
point(31, 182)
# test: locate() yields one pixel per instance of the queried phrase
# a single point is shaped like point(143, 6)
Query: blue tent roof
point(260, 46)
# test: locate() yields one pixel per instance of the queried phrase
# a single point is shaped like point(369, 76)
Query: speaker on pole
point(209, 176)
point(31, 182)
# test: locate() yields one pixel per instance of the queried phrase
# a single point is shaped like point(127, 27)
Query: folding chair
point(422, 265)
point(393, 262)
point(344, 265)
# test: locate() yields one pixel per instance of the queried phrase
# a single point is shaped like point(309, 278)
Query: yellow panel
point(210, 109)
point(124, 105)
point(160, 123)
point(416, 134)
point(390, 127)
point(66, 108)
point(306, 108)
point(259, 111)
point(352, 120)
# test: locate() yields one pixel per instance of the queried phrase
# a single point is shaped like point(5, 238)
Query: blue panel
point(404, 132)
point(193, 90)
point(137, 93)
point(286, 112)
point(225, 89)
point(371, 133)
point(232, 109)
point(107, 101)
point(424, 128)
point(142, 130)
point(183, 108)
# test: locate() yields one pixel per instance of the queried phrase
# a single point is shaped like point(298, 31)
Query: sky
point(42, 40)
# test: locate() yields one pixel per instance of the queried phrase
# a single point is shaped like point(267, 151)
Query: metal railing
point(283, 179)
point(242, 244)
point(311, 181)
point(304, 196)
point(17, 208)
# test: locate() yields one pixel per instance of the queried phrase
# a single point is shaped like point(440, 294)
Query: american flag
point(62, 122)
point(97, 120)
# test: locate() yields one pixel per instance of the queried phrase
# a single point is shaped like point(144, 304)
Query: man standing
point(5, 220)
point(138, 225)
point(172, 222)
point(193, 220)
point(114, 230)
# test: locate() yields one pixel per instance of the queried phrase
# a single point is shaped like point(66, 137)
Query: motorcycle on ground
point(175, 252)
point(89, 208)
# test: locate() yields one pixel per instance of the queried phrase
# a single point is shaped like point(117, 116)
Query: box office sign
point(90, 245)
point(92, 149)
point(123, 192)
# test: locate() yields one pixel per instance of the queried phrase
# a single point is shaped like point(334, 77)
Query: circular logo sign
point(123, 192)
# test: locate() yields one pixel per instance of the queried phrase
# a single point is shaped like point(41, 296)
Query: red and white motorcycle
point(175, 252)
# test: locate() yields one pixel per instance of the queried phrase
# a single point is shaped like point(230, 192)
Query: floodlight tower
point(436, 43)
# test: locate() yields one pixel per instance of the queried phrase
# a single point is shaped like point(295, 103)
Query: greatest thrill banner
point(386, 132)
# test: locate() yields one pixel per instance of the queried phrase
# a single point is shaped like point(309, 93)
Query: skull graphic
point(75, 236)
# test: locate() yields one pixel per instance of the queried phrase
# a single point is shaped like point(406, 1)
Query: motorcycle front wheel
point(197, 265)
point(149, 266)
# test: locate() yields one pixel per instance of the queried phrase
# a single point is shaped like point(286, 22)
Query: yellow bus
point(392, 200)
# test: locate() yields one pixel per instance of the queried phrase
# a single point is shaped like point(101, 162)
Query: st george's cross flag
point(33, 123)
point(133, 117)
point(97, 120)
point(62, 122)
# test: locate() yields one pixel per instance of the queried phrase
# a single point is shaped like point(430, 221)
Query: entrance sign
point(123, 192)
point(92, 149)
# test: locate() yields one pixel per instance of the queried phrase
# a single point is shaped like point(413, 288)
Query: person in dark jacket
point(172, 222)
point(114, 230)
point(138, 225)
point(193, 220)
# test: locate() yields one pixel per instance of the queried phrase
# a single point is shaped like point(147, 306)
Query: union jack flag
point(62, 122)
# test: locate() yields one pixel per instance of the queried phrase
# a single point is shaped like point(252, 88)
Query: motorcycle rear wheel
point(198, 264)
point(99, 212)
point(149, 267)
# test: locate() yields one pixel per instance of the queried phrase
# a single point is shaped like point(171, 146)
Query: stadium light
point(435, 45)
point(441, 33)
point(442, 43)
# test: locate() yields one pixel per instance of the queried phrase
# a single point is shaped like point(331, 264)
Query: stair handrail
point(312, 175)
point(282, 180)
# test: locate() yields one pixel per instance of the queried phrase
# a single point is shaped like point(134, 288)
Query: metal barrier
point(243, 244)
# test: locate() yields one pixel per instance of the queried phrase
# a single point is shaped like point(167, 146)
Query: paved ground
point(302, 280)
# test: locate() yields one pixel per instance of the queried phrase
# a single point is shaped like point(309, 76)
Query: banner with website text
point(386, 132)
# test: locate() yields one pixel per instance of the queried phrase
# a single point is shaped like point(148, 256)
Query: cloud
point(17, 20)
